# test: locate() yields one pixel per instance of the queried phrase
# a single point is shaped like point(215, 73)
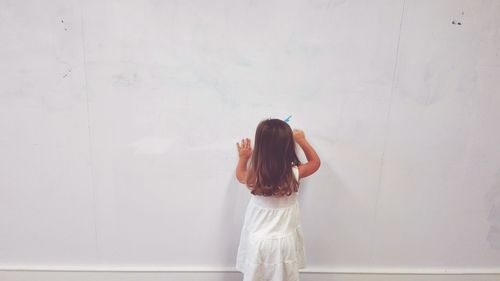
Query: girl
point(271, 244)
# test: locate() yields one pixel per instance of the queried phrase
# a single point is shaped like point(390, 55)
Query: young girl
point(271, 244)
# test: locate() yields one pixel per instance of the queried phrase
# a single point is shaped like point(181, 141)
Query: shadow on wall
point(319, 192)
point(319, 198)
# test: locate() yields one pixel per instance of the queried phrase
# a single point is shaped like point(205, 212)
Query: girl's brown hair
point(270, 171)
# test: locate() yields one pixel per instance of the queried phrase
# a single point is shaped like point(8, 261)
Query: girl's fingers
point(244, 144)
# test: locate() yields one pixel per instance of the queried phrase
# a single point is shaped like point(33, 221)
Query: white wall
point(119, 120)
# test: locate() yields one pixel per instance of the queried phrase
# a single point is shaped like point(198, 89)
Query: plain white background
point(118, 124)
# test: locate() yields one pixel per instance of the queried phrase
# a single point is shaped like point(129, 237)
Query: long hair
point(270, 171)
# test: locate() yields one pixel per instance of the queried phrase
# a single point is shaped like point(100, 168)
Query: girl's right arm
point(313, 161)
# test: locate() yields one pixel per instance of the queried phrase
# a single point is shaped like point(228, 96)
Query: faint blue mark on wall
point(152, 145)
point(125, 79)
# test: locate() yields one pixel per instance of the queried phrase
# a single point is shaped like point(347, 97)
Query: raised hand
point(298, 135)
point(244, 148)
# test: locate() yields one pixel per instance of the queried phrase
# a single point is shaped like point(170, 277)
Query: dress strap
point(295, 170)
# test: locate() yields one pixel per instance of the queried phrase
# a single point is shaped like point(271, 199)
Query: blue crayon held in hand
point(288, 118)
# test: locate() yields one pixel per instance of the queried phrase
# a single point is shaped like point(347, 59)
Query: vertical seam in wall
point(89, 132)
point(393, 86)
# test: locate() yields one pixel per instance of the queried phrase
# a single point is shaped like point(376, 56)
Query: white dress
point(271, 244)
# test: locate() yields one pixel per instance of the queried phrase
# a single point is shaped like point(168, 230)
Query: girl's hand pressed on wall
point(244, 148)
point(244, 152)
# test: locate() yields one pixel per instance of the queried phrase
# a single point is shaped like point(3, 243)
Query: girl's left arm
point(244, 153)
point(241, 170)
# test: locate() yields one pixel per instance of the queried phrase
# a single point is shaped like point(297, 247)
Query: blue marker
point(288, 118)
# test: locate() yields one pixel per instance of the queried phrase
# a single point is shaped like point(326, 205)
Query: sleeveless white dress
point(271, 244)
